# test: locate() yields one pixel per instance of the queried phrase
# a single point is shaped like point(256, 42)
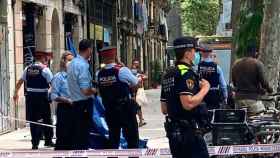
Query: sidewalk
point(153, 131)
point(19, 140)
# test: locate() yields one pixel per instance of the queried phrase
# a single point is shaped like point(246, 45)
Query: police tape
point(27, 121)
point(213, 151)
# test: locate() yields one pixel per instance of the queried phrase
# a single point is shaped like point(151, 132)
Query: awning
point(69, 7)
point(40, 2)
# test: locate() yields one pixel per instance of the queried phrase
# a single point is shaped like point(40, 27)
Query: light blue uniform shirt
point(46, 72)
point(60, 86)
point(222, 80)
point(125, 75)
point(79, 77)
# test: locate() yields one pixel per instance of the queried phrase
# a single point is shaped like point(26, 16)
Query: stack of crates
point(229, 127)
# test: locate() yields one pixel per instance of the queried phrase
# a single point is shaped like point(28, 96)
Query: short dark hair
point(180, 52)
point(84, 45)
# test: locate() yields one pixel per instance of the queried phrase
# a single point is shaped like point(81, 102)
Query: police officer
point(64, 112)
point(81, 91)
point(209, 70)
point(182, 93)
point(37, 78)
point(114, 82)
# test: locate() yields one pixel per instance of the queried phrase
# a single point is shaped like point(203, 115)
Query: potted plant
point(156, 73)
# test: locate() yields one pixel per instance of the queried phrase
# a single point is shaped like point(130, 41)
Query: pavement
point(154, 130)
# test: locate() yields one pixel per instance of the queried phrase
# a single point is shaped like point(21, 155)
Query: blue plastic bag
point(99, 133)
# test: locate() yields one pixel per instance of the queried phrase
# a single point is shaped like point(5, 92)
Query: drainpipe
point(86, 2)
point(15, 67)
point(103, 21)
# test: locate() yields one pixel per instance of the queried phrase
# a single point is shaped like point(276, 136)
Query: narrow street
point(153, 131)
point(216, 55)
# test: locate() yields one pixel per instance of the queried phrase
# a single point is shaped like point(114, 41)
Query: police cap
point(185, 42)
point(108, 52)
point(39, 54)
point(204, 48)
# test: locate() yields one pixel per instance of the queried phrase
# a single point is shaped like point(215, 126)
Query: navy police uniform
point(114, 83)
point(182, 126)
point(209, 72)
point(37, 78)
point(212, 72)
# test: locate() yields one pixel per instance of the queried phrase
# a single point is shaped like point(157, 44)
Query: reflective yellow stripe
point(183, 69)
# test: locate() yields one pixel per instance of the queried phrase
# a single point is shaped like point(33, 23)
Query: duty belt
point(185, 124)
point(38, 90)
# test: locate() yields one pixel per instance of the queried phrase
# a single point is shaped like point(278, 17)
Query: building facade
point(224, 26)
point(143, 34)
point(5, 68)
point(27, 26)
point(137, 27)
point(174, 23)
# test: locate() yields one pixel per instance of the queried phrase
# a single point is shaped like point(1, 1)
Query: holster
point(179, 129)
point(174, 131)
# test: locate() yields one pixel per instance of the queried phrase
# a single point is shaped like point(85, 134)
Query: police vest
point(209, 72)
point(170, 85)
point(35, 81)
point(111, 88)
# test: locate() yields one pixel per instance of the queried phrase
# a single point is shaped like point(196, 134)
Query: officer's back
point(111, 88)
point(114, 81)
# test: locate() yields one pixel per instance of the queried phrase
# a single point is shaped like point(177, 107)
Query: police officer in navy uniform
point(37, 78)
point(114, 82)
point(212, 72)
point(181, 95)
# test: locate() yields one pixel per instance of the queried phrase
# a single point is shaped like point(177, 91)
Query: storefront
point(101, 25)
point(28, 28)
point(34, 31)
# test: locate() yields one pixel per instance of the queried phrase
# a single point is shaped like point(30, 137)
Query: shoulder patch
point(183, 69)
point(190, 84)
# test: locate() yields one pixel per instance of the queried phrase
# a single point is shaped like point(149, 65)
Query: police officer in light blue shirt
point(37, 78)
point(114, 83)
point(212, 72)
point(64, 112)
point(81, 92)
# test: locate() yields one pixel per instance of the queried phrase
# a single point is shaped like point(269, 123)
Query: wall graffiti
point(29, 35)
